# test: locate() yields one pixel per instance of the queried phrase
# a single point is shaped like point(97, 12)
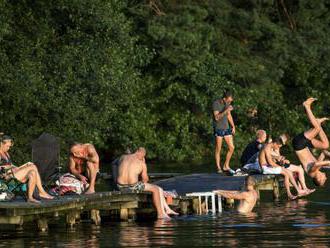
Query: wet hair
point(317, 182)
point(250, 181)
point(227, 94)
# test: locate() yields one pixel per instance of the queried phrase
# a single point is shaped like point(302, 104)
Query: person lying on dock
point(304, 142)
point(248, 198)
point(133, 166)
point(269, 166)
point(251, 150)
point(27, 173)
point(84, 164)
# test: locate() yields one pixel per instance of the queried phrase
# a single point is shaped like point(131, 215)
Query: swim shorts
point(131, 188)
point(271, 170)
point(301, 142)
point(222, 132)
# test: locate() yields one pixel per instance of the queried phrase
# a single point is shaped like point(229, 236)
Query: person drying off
point(314, 138)
point(84, 164)
point(221, 119)
point(248, 198)
point(133, 166)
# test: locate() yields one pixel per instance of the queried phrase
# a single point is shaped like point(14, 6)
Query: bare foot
point(164, 217)
point(171, 212)
point(326, 153)
point(89, 191)
point(321, 120)
point(309, 101)
point(310, 191)
point(292, 197)
point(45, 195)
point(32, 200)
point(303, 193)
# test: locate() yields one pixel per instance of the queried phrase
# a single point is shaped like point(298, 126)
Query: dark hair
point(317, 183)
point(5, 137)
point(227, 94)
point(278, 141)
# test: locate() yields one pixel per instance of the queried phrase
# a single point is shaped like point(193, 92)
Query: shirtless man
point(131, 167)
point(27, 173)
point(247, 198)
point(282, 161)
point(303, 142)
point(84, 164)
point(269, 166)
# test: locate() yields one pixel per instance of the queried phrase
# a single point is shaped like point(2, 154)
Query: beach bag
point(68, 183)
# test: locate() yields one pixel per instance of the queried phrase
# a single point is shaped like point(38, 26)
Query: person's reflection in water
point(164, 231)
point(133, 235)
point(313, 230)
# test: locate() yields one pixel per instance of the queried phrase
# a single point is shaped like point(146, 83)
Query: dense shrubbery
point(127, 73)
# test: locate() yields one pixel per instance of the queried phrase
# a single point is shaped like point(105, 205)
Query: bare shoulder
point(90, 147)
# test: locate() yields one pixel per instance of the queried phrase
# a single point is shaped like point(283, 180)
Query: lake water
point(305, 222)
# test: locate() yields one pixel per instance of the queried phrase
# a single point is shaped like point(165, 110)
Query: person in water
point(314, 138)
point(84, 164)
point(269, 166)
point(27, 173)
point(131, 167)
point(221, 119)
point(248, 198)
point(253, 148)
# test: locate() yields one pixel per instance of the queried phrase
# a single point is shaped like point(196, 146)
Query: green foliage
point(130, 73)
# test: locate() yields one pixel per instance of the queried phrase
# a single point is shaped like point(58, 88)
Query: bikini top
point(5, 158)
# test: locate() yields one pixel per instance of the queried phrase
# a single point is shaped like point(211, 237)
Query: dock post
point(124, 214)
point(276, 189)
point(71, 218)
point(196, 204)
point(42, 224)
point(184, 207)
point(95, 216)
point(132, 213)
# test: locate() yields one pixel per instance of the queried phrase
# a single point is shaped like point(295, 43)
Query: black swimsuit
point(300, 142)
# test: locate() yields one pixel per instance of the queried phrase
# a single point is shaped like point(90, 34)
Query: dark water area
point(305, 222)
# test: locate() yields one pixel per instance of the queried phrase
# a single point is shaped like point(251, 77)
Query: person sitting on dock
point(297, 169)
point(250, 151)
point(27, 173)
point(269, 166)
point(84, 164)
point(304, 142)
point(248, 198)
point(133, 166)
point(221, 119)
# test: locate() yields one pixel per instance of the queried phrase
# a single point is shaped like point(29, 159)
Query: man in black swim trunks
point(221, 119)
point(304, 142)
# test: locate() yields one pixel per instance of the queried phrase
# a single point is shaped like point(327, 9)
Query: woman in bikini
point(27, 173)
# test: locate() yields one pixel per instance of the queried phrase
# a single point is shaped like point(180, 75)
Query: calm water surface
point(305, 222)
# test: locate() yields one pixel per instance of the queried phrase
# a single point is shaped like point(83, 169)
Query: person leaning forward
point(84, 164)
point(131, 167)
point(221, 119)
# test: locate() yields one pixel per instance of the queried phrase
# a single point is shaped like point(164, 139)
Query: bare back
point(262, 156)
point(129, 170)
point(247, 204)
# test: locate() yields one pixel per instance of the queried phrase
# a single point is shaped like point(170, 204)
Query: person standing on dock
point(248, 198)
point(314, 138)
point(222, 118)
point(84, 164)
point(133, 166)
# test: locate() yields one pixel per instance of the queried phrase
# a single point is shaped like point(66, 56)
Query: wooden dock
point(212, 181)
point(126, 206)
point(112, 204)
